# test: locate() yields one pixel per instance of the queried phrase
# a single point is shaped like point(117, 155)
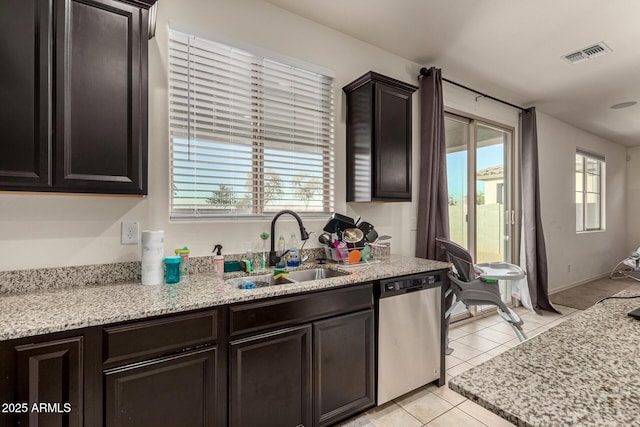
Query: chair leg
point(629, 275)
point(519, 332)
point(514, 321)
point(505, 312)
point(447, 314)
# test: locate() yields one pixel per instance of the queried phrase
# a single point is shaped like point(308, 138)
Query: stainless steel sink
point(314, 274)
point(259, 281)
point(296, 276)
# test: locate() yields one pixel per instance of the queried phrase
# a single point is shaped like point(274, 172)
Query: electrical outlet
point(130, 233)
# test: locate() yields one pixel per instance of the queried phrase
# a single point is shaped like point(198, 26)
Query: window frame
point(262, 154)
point(585, 157)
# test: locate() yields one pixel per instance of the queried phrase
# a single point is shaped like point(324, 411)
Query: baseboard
point(581, 282)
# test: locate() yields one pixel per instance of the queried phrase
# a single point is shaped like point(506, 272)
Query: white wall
point(54, 230)
point(589, 254)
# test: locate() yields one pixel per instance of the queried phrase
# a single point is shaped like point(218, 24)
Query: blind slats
point(249, 104)
point(249, 135)
point(209, 122)
point(234, 137)
point(218, 55)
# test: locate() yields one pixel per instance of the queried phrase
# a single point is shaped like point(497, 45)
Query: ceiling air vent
point(590, 52)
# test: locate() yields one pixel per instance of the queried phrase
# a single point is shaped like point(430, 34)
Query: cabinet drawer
point(158, 337)
point(299, 309)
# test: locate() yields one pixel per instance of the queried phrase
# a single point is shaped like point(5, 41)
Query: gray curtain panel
point(534, 246)
point(433, 209)
point(433, 200)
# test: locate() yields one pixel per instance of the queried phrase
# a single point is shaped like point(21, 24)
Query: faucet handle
point(303, 233)
point(274, 258)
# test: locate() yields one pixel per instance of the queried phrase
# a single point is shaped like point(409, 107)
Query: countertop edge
point(487, 405)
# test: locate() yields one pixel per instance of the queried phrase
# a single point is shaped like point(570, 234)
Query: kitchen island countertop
point(53, 310)
point(585, 371)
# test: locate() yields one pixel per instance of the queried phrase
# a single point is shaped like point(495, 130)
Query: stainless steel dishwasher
point(409, 335)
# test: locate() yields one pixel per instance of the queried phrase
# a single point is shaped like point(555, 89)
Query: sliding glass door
point(479, 176)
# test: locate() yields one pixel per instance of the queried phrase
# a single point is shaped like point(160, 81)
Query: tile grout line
point(410, 414)
point(480, 421)
point(452, 408)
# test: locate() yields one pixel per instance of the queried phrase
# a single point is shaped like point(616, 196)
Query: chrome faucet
point(274, 258)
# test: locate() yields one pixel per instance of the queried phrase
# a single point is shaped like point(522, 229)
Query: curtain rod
point(425, 72)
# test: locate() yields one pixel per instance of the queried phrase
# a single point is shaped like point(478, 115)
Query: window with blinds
point(249, 135)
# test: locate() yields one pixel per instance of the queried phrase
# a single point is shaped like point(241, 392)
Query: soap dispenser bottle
point(218, 261)
point(293, 260)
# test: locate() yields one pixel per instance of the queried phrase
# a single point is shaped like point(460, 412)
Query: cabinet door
point(360, 131)
point(270, 379)
point(25, 37)
point(51, 374)
point(173, 391)
point(101, 97)
point(392, 145)
point(343, 366)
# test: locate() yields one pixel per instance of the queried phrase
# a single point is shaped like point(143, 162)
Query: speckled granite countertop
point(583, 372)
point(54, 310)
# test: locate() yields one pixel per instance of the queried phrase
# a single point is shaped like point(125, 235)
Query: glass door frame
point(512, 214)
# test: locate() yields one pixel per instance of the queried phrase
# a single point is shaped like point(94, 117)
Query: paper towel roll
point(152, 257)
point(152, 274)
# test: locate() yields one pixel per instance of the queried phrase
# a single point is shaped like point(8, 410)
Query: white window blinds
point(249, 136)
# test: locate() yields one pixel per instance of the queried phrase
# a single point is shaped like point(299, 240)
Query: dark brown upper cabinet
point(25, 91)
point(77, 75)
point(378, 139)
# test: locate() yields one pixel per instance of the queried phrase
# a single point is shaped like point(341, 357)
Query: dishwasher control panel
point(409, 283)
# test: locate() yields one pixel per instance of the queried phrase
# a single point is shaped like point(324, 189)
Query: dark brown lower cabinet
point(343, 366)
point(301, 360)
point(270, 379)
point(178, 390)
point(50, 376)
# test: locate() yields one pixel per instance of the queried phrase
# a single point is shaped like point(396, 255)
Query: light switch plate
point(130, 233)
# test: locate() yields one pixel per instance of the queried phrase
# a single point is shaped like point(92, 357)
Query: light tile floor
point(473, 343)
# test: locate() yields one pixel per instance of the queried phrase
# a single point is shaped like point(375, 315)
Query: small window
point(249, 136)
point(589, 191)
